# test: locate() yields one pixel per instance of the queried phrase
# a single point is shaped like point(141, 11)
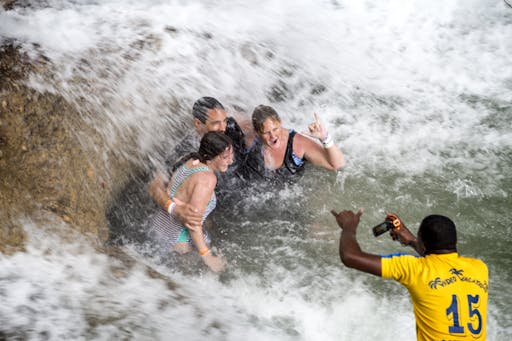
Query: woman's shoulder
point(305, 141)
point(195, 167)
point(206, 180)
point(301, 143)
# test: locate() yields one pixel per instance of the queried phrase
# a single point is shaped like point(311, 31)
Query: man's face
point(215, 121)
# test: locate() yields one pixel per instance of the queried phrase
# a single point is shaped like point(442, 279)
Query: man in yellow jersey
point(448, 291)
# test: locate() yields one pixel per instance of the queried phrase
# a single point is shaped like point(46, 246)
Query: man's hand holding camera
point(405, 237)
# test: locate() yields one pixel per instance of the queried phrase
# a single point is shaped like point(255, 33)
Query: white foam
point(67, 291)
point(419, 89)
point(395, 75)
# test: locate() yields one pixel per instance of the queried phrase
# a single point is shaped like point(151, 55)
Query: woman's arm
point(199, 192)
point(186, 213)
point(326, 155)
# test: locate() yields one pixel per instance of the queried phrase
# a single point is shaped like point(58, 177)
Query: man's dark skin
point(350, 252)
point(437, 245)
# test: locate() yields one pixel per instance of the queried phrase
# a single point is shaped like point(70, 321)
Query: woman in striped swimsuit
point(193, 182)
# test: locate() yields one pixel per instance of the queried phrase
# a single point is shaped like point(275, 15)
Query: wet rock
point(171, 29)
point(14, 66)
point(45, 166)
point(8, 4)
point(90, 174)
point(42, 164)
point(12, 236)
point(278, 92)
point(248, 53)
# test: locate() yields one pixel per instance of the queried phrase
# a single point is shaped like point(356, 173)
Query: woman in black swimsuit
point(278, 153)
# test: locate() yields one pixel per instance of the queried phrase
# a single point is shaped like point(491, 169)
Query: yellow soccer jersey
point(449, 294)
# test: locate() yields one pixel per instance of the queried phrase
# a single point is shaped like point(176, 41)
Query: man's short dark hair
point(202, 105)
point(438, 232)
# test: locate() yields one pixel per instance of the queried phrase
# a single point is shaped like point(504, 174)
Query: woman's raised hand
point(317, 129)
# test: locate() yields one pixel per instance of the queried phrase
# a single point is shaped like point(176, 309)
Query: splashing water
point(417, 95)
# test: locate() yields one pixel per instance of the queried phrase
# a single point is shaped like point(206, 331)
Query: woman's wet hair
point(438, 232)
point(212, 145)
point(260, 114)
point(202, 105)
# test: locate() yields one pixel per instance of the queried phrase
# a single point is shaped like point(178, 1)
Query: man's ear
point(198, 124)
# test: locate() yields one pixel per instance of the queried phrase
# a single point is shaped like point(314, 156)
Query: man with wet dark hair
point(449, 292)
point(202, 110)
point(438, 232)
point(208, 115)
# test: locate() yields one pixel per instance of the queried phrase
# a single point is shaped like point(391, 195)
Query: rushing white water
point(417, 94)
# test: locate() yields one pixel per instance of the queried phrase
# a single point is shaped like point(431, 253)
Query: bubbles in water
point(414, 94)
point(465, 189)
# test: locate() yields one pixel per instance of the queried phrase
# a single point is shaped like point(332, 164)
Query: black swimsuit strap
point(288, 161)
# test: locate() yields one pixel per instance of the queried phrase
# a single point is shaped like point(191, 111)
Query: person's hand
point(317, 129)
point(156, 187)
point(406, 238)
point(402, 234)
point(215, 263)
point(348, 220)
point(189, 215)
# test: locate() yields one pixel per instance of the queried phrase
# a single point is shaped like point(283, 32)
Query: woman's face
point(222, 161)
point(270, 133)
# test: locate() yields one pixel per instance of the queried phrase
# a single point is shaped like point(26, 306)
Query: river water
point(418, 95)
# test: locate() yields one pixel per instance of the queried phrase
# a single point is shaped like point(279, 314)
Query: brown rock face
point(42, 164)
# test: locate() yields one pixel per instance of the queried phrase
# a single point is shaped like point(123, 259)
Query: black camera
point(391, 222)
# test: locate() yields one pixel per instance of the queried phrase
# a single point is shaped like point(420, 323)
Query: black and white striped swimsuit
point(167, 229)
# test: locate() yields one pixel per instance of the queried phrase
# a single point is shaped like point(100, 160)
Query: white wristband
point(328, 141)
point(171, 208)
